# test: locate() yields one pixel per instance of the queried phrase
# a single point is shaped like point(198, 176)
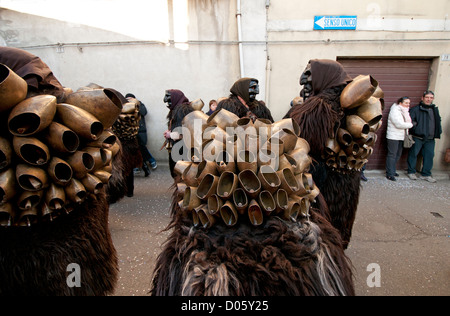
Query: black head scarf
point(241, 88)
point(33, 70)
point(320, 114)
point(177, 98)
point(327, 74)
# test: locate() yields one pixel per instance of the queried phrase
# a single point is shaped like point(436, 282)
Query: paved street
point(402, 228)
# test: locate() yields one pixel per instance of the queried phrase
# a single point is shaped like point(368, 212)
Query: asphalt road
point(400, 244)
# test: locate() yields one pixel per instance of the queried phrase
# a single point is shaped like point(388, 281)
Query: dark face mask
point(168, 99)
point(306, 82)
point(253, 90)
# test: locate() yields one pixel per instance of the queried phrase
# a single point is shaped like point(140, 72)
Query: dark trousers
point(172, 165)
point(427, 147)
point(146, 155)
point(395, 150)
point(130, 184)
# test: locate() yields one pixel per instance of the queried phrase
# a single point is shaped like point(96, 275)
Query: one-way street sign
point(335, 22)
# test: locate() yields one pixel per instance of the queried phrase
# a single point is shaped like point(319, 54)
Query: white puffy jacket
point(397, 123)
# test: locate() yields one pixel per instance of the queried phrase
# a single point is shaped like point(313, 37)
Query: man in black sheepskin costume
point(70, 255)
point(279, 257)
point(319, 117)
point(242, 100)
point(179, 106)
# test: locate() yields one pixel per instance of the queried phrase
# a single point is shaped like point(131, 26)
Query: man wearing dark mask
point(306, 82)
point(323, 82)
point(179, 107)
point(318, 117)
point(242, 100)
point(219, 252)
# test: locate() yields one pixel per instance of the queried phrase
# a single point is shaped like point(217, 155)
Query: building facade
point(202, 46)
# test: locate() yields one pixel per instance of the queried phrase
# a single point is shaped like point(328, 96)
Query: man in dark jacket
point(143, 138)
point(427, 127)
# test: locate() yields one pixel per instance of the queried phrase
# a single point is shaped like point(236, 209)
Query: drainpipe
point(268, 73)
point(241, 50)
point(268, 63)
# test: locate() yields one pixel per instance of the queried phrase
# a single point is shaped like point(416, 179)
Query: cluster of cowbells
point(52, 156)
point(244, 171)
point(126, 126)
point(362, 101)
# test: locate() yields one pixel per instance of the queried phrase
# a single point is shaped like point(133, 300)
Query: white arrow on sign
point(321, 22)
point(335, 22)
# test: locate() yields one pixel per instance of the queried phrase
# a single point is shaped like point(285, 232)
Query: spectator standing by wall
point(426, 128)
point(398, 124)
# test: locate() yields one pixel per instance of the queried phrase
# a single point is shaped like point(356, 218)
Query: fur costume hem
point(277, 258)
point(34, 262)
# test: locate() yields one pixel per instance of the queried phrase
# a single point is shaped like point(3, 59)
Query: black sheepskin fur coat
point(275, 259)
point(34, 261)
point(234, 105)
point(318, 118)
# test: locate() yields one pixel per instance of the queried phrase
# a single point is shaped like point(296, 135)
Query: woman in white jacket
point(399, 123)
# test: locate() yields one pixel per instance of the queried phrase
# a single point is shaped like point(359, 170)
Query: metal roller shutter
point(397, 78)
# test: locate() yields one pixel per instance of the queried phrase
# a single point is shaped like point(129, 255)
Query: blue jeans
point(427, 147)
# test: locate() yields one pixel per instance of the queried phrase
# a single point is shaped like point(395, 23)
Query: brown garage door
point(397, 78)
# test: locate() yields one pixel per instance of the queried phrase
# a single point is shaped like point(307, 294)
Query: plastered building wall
point(146, 47)
point(386, 29)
